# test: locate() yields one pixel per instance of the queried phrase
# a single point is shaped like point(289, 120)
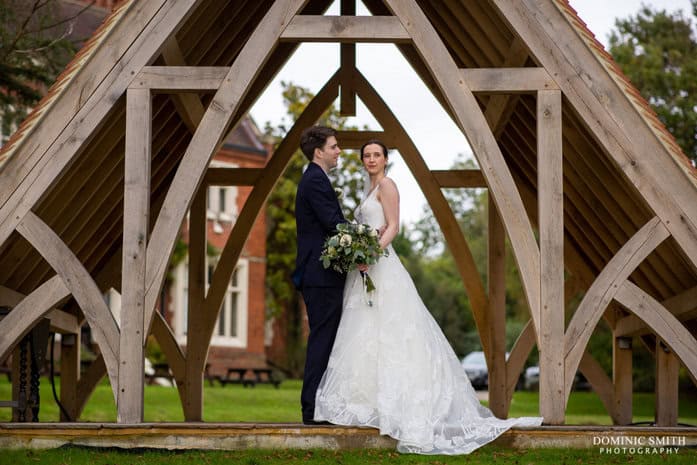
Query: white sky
point(435, 135)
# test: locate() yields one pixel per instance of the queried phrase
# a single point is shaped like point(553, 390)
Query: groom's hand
point(362, 267)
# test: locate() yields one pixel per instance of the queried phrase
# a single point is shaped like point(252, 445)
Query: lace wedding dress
point(392, 368)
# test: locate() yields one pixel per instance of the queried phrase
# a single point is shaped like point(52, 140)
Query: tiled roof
point(63, 80)
point(632, 93)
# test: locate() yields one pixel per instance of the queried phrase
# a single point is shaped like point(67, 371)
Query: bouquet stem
point(368, 285)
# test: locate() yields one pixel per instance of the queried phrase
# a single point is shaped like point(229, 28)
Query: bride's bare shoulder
point(388, 183)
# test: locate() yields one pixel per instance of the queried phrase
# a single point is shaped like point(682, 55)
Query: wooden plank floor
point(233, 436)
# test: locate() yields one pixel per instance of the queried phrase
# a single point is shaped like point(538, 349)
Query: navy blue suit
point(317, 212)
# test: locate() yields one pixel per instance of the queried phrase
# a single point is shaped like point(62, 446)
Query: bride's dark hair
point(376, 142)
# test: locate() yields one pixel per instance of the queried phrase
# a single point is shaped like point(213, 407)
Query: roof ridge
point(665, 138)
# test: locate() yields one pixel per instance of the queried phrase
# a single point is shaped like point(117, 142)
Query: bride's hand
point(362, 267)
point(382, 230)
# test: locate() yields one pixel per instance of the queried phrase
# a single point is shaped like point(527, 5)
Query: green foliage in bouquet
point(352, 245)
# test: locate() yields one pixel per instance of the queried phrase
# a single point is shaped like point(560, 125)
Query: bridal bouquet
point(353, 244)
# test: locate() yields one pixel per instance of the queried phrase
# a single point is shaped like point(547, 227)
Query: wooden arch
point(531, 117)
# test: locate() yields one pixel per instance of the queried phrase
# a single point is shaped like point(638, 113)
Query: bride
point(391, 367)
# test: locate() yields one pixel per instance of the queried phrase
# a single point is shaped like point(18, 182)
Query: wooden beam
point(354, 140)
point(232, 176)
point(188, 106)
point(622, 380)
point(500, 106)
point(496, 283)
point(517, 357)
point(312, 28)
point(63, 322)
point(136, 220)
point(667, 370)
point(27, 311)
point(486, 150)
point(551, 229)
point(197, 338)
point(673, 333)
point(172, 79)
point(683, 306)
point(88, 382)
point(459, 178)
point(81, 286)
point(207, 138)
point(604, 289)
point(347, 53)
point(70, 374)
point(168, 343)
point(599, 381)
point(508, 80)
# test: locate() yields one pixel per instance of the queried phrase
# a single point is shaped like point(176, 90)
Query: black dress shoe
point(313, 422)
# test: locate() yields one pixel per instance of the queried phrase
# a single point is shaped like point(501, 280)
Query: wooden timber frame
point(590, 193)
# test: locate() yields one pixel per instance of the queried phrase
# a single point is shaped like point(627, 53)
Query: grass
point(487, 455)
point(266, 404)
point(234, 403)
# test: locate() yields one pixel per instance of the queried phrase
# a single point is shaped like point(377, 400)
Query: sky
point(436, 136)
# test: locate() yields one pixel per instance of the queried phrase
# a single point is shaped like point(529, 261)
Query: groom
point(317, 212)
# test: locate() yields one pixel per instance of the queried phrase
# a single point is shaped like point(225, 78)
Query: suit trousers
point(323, 313)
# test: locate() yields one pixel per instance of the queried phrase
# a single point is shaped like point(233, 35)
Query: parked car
point(474, 364)
point(477, 371)
point(531, 380)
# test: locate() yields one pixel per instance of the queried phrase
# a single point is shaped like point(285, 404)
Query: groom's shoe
point(310, 421)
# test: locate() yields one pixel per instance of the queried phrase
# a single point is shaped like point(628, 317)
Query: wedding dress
point(392, 368)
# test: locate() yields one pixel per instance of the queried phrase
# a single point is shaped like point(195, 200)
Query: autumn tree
point(35, 46)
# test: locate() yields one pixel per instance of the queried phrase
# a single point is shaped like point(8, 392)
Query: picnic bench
point(249, 377)
point(162, 370)
point(236, 375)
point(265, 376)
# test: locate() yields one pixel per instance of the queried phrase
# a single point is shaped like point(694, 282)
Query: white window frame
point(213, 205)
point(241, 292)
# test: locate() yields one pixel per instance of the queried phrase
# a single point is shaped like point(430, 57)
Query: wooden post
point(622, 379)
point(347, 102)
point(197, 339)
point(70, 374)
point(551, 230)
point(135, 239)
point(498, 400)
point(667, 366)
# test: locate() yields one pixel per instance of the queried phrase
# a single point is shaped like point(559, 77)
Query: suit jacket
point(317, 212)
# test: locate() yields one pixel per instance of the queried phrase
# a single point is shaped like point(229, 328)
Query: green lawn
point(234, 403)
point(484, 456)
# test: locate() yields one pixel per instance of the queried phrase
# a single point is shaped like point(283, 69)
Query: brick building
point(238, 339)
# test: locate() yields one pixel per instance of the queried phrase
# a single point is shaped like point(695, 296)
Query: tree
point(281, 241)
point(657, 50)
point(34, 48)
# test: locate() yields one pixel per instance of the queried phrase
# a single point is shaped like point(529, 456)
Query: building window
point(222, 192)
point(231, 327)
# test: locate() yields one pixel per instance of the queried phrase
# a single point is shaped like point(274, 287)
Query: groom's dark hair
point(314, 138)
